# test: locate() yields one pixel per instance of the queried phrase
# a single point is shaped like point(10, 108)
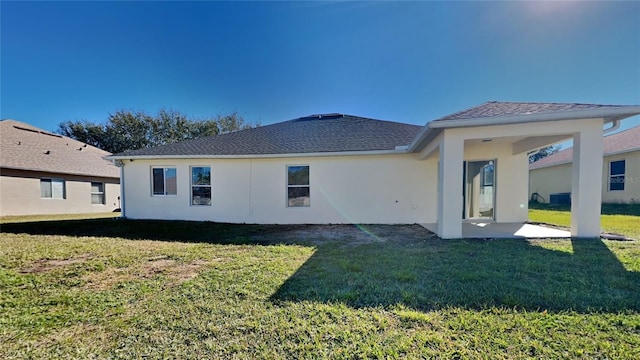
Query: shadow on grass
point(182, 231)
point(378, 265)
point(471, 274)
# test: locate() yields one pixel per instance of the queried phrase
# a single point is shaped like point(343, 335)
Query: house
point(45, 173)
point(335, 168)
point(620, 170)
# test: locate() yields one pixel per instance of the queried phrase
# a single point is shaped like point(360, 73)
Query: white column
point(450, 187)
point(586, 182)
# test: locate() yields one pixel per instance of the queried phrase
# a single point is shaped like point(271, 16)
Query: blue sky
point(273, 61)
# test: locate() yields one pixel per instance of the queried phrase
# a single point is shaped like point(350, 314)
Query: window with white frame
point(298, 189)
point(97, 193)
point(52, 189)
point(201, 185)
point(616, 175)
point(163, 181)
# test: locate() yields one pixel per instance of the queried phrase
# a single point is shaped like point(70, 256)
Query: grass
point(616, 218)
point(104, 288)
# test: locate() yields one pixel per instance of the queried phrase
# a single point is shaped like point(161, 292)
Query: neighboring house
point(469, 166)
point(620, 172)
point(45, 173)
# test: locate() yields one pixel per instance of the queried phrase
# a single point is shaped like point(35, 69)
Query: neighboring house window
point(200, 185)
point(97, 193)
point(164, 181)
point(52, 189)
point(298, 190)
point(616, 175)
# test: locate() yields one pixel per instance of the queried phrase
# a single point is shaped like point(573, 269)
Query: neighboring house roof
point(618, 143)
point(325, 133)
point(26, 147)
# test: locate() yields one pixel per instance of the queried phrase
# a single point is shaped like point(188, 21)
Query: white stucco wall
point(557, 179)
point(387, 189)
point(20, 194)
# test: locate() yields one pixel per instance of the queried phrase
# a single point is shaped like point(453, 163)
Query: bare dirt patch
point(175, 271)
point(45, 265)
point(352, 234)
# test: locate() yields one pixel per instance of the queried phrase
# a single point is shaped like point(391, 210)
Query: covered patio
point(482, 161)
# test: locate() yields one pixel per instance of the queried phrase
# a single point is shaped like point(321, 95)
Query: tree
point(126, 130)
point(544, 152)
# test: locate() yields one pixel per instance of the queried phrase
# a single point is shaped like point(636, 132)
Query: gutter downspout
point(120, 164)
point(615, 125)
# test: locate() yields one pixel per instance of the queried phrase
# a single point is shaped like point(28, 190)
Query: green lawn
point(616, 218)
point(105, 288)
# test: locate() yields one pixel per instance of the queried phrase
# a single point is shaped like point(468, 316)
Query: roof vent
point(322, 116)
point(47, 152)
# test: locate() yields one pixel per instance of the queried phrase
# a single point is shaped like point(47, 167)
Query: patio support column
point(586, 182)
point(450, 187)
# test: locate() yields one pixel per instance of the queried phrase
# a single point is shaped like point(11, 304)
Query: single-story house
point(337, 168)
point(620, 170)
point(46, 173)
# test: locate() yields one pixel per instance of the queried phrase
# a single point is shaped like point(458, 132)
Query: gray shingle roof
point(26, 147)
point(499, 108)
point(312, 134)
point(624, 141)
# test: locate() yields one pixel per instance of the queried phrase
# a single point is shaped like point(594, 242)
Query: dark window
point(616, 175)
point(164, 181)
point(200, 185)
point(298, 189)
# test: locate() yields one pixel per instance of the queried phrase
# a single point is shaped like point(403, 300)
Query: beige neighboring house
point(620, 170)
point(45, 173)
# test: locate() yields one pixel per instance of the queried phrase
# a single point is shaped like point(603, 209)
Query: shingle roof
point(499, 108)
point(311, 134)
point(624, 141)
point(26, 147)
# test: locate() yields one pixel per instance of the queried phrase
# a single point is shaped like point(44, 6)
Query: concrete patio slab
point(480, 229)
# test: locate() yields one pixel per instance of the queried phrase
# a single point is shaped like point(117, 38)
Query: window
point(164, 181)
point(52, 189)
point(200, 185)
point(487, 174)
point(97, 193)
point(616, 175)
point(298, 186)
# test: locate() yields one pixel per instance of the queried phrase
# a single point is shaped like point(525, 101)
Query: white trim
point(262, 156)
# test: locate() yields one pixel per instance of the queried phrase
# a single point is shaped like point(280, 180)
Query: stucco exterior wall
point(20, 194)
point(387, 189)
point(557, 179)
point(550, 180)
